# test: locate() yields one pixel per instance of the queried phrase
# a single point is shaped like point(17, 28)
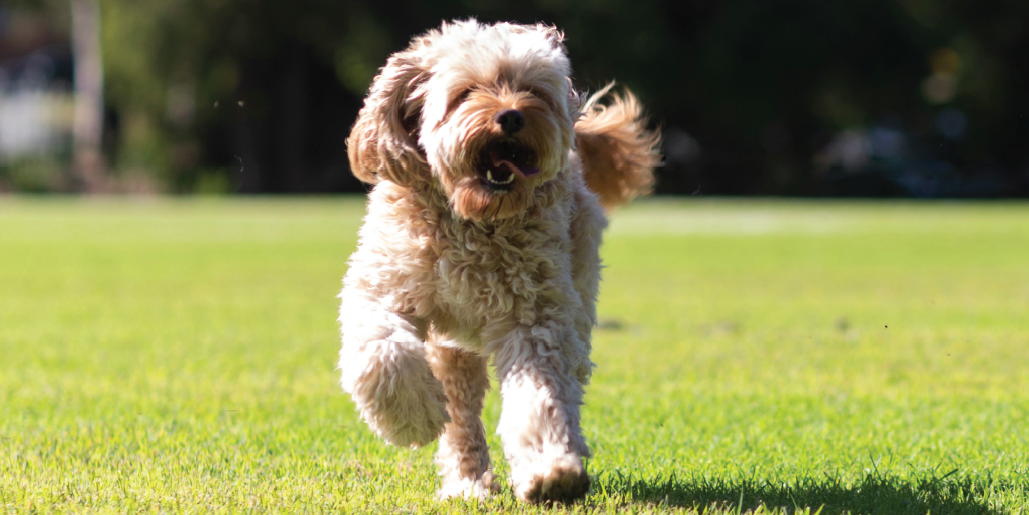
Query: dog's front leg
point(384, 369)
point(540, 420)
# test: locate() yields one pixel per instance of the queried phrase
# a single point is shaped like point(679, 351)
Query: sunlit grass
point(177, 356)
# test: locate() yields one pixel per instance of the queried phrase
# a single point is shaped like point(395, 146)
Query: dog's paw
point(415, 414)
point(399, 397)
point(469, 488)
point(565, 480)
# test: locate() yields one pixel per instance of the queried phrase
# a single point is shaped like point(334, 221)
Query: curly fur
point(617, 152)
point(453, 268)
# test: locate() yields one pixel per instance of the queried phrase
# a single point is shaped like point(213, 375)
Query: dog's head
point(485, 113)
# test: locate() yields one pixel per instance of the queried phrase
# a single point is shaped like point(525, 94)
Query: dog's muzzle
point(504, 162)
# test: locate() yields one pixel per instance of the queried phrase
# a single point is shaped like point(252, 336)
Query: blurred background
point(870, 98)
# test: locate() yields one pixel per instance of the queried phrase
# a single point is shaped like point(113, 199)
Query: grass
point(177, 356)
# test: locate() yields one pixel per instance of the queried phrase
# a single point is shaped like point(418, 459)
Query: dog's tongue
point(521, 171)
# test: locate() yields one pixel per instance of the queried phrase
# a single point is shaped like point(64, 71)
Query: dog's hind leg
point(587, 223)
point(384, 369)
point(463, 456)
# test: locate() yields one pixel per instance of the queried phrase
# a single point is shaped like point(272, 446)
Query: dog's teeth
point(489, 176)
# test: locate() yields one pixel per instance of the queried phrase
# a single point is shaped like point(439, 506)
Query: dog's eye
point(539, 93)
point(458, 100)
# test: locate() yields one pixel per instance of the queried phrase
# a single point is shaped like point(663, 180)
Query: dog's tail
point(618, 152)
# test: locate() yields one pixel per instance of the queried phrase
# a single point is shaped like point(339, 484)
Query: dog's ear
point(575, 100)
point(383, 145)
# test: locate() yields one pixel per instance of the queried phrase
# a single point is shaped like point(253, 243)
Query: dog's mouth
point(501, 163)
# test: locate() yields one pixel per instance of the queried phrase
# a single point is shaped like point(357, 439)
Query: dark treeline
point(754, 97)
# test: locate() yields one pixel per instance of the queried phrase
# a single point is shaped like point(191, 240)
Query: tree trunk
point(88, 164)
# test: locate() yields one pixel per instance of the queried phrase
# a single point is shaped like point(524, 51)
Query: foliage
point(177, 356)
point(761, 88)
point(756, 97)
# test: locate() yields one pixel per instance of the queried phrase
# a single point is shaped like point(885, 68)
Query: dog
point(491, 179)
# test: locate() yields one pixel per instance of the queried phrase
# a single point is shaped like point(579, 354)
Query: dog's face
point(485, 113)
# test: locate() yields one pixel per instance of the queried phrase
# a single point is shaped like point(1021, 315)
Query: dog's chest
point(501, 275)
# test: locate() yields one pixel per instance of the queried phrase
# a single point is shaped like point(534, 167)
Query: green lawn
point(177, 356)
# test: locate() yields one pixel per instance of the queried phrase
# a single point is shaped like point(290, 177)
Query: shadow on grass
point(827, 495)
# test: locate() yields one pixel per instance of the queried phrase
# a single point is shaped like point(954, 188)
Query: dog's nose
point(511, 121)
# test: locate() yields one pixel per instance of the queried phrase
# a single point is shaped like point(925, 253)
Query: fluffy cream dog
point(481, 241)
